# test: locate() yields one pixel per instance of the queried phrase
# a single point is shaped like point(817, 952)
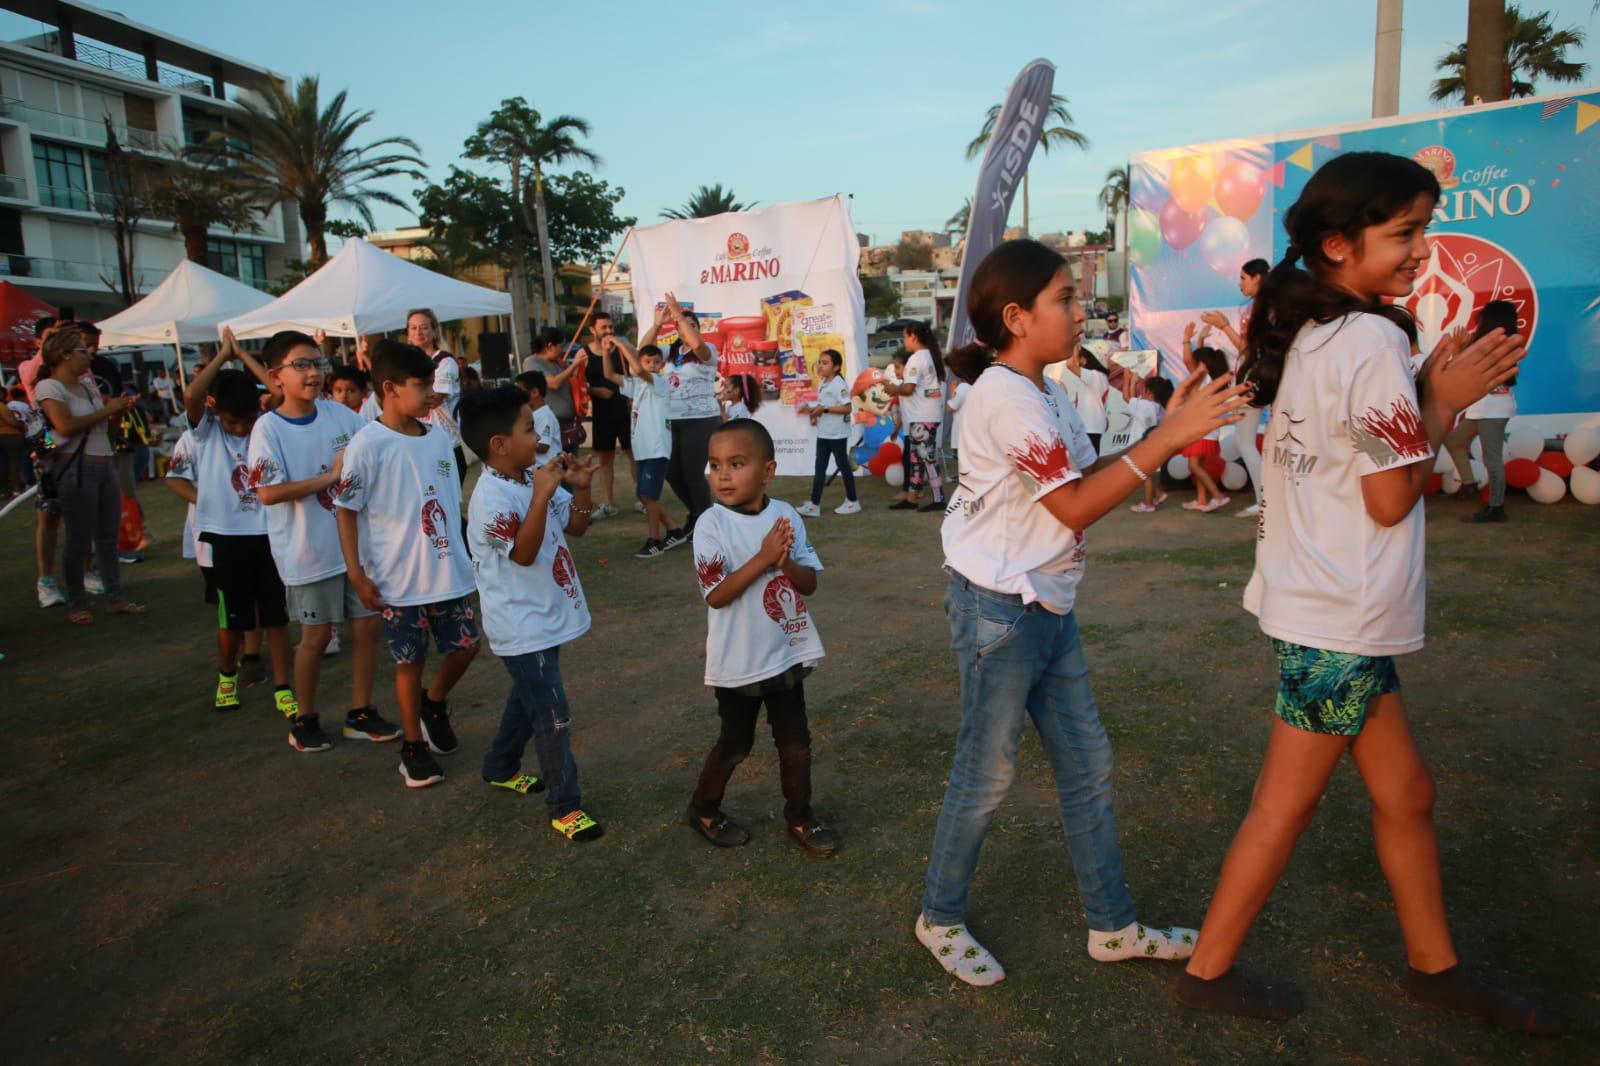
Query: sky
point(873, 98)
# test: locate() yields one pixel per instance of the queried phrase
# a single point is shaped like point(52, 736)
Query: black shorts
point(248, 587)
point(209, 575)
point(611, 427)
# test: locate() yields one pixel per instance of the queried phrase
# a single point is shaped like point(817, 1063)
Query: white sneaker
point(49, 592)
point(848, 507)
point(1251, 511)
point(333, 644)
point(809, 509)
point(639, 506)
point(92, 583)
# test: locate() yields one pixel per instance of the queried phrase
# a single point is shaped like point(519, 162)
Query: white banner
point(773, 288)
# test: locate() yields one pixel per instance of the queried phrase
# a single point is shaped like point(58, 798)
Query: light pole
point(1386, 59)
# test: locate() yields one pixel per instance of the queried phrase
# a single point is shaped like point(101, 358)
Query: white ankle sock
point(1139, 941)
point(959, 953)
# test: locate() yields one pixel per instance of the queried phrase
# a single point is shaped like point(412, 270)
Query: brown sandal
point(80, 616)
point(127, 607)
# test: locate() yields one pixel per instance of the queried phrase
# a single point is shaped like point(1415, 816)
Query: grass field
point(180, 886)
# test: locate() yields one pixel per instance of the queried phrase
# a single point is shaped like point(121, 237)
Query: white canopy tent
point(186, 308)
point(365, 290)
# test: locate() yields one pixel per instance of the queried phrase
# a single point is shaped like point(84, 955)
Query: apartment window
point(253, 265)
point(247, 262)
point(10, 232)
point(63, 178)
point(223, 256)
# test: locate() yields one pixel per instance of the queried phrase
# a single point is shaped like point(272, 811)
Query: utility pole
point(1386, 59)
point(1486, 51)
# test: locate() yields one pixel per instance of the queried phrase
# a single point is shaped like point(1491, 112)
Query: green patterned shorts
point(1328, 691)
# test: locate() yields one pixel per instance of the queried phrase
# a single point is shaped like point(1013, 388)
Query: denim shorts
point(652, 474)
point(453, 624)
point(1328, 691)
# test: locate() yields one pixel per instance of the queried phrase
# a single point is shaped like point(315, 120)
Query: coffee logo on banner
point(742, 262)
point(1472, 194)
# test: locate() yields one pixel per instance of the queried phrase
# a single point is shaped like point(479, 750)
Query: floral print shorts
point(452, 622)
point(1328, 691)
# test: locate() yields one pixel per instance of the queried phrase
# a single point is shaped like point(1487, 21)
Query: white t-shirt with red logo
point(180, 467)
point(409, 491)
point(1327, 576)
point(1500, 403)
point(525, 608)
point(833, 393)
point(1018, 444)
point(694, 388)
point(1089, 398)
point(547, 427)
point(768, 628)
point(227, 502)
point(926, 402)
point(651, 437)
point(303, 532)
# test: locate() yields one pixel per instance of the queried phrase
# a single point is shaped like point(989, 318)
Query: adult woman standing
point(422, 330)
point(922, 413)
point(692, 408)
point(557, 372)
point(1244, 434)
point(83, 470)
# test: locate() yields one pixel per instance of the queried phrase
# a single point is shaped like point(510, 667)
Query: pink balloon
point(1240, 189)
point(1180, 228)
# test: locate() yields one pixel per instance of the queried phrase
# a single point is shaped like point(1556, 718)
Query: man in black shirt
point(609, 408)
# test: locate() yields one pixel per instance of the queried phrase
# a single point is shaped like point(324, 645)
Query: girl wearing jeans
point(84, 471)
point(831, 417)
point(1014, 547)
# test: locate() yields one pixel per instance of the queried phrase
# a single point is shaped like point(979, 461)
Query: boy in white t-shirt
point(830, 414)
point(408, 560)
point(222, 407)
point(649, 393)
point(180, 482)
point(1148, 412)
point(533, 603)
point(296, 460)
point(754, 564)
point(546, 426)
point(348, 385)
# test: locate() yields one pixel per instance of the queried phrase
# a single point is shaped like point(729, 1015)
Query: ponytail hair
point(969, 361)
point(1212, 359)
point(749, 390)
point(1348, 194)
point(924, 335)
point(1090, 360)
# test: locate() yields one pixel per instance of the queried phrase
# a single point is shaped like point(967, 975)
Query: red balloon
point(1522, 473)
point(1180, 228)
point(888, 455)
point(1557, 463)
point(1214, 467)
point(1240, 189)
point(1435, 484)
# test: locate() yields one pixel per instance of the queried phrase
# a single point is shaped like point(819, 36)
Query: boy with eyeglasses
point(296, 461)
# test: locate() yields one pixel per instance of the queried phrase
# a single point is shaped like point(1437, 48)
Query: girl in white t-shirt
point(1013, 543)
point(1207, 494)
point(1339, 578)
point(921, 393)
point(1487, 420)
point(1090, 397)
point(739, 395)
point(830, 415)
point(1149, 409)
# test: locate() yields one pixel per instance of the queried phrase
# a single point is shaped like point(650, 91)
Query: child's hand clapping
point(776, 544)
point(1457, 379)
point(579, 473)
point(547, 478)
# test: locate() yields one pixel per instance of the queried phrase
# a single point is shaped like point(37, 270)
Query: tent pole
point(177, 346)
point(603, 279)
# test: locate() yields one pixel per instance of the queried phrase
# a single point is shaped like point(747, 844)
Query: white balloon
point(1452, 480)
point(1442, 463)
point(1583, 446)
point(1178, 468)
point(1480, 474)
point(1549, 488)
point(1234, 477)
point(1230, 446)
point(895, 476)
point(1585, 485)
point(1524, 442)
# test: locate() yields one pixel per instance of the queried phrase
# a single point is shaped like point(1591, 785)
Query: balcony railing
point(32, 266)
point(125, 63)
point(14, 188)
point(74, 199)
point(82, 128)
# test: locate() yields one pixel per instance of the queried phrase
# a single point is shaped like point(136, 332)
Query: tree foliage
point(708, 200)
point(1534, 49)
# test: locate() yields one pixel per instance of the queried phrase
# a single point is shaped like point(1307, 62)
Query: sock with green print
point(959, 953)
point(1139, 941)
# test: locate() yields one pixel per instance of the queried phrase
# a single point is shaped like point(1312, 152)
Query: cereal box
point(779, 310)
point(815, 329)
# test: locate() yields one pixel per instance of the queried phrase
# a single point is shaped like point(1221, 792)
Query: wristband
point(1125, 457)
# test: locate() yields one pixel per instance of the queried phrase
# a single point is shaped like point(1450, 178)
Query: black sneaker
point(723, 832)
point(674, 538)
point(1487, 514)
point(651, 549)
point(252, 671)
point(365, 723)
point(305, 734)
point(436, 726)
point(417, 766)
point(816, 838)
point(902, 505)
point(931, 505)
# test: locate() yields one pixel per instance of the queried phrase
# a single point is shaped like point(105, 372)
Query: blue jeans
point(835, 449)
point(537, 708)
point(1018, 660)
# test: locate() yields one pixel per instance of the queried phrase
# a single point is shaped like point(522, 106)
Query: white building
point(928, 295)
point(57, 89)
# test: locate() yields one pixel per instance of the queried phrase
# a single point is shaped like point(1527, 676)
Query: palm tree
point(708, 201)
point(1114, 196)
point(958, 222)
point(1534, 49)
point(1061, 133)
point(296, 150)
point(197, 198)
point(518, 137)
